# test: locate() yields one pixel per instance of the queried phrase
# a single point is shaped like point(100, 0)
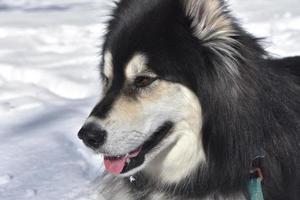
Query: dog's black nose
point(92, 136)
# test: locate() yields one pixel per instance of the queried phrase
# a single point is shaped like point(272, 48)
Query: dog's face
point(150, 117)
point(144, 121)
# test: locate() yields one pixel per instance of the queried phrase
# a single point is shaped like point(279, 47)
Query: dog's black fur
point(254, 113)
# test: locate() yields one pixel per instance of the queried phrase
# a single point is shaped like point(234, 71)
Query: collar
point(256, 179)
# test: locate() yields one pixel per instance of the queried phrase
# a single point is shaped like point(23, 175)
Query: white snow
point(49, 52)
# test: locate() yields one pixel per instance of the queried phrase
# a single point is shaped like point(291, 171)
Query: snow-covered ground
point(48, 84)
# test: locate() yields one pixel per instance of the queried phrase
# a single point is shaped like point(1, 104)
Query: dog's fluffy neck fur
point(247, 107)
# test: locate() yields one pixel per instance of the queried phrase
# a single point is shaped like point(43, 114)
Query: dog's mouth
point(124, 163)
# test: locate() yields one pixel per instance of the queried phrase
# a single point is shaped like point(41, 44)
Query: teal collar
point(255, 189)
point(256, 178)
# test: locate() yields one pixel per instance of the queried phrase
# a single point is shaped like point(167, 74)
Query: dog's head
point(156, 58)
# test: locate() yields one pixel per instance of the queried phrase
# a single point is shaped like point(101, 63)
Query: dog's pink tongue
point(115, 166)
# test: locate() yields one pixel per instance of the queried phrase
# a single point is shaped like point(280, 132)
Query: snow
point(278, 22)
point(49, 52)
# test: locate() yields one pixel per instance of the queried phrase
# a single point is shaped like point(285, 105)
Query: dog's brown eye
point(144, 81)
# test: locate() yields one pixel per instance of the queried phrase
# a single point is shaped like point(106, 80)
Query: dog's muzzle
point(92, 135)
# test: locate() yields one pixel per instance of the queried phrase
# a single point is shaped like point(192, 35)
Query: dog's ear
point(212, 23)
point(210, 19)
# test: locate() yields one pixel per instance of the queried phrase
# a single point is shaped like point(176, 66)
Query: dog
point(193, 107)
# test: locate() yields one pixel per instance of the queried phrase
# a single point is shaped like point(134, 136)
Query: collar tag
point(132, 179)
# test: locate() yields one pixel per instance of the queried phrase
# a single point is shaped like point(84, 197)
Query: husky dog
point(190, 102)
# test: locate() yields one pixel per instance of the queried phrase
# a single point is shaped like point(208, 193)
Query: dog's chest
point(113, 188)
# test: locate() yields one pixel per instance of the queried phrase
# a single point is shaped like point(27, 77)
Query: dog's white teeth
point(128, 160)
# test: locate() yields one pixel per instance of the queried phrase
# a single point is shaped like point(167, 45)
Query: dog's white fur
point(137, 65)
point(107, 67)
point(182, 158)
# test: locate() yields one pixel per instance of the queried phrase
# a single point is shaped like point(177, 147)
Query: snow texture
point(49, 53)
